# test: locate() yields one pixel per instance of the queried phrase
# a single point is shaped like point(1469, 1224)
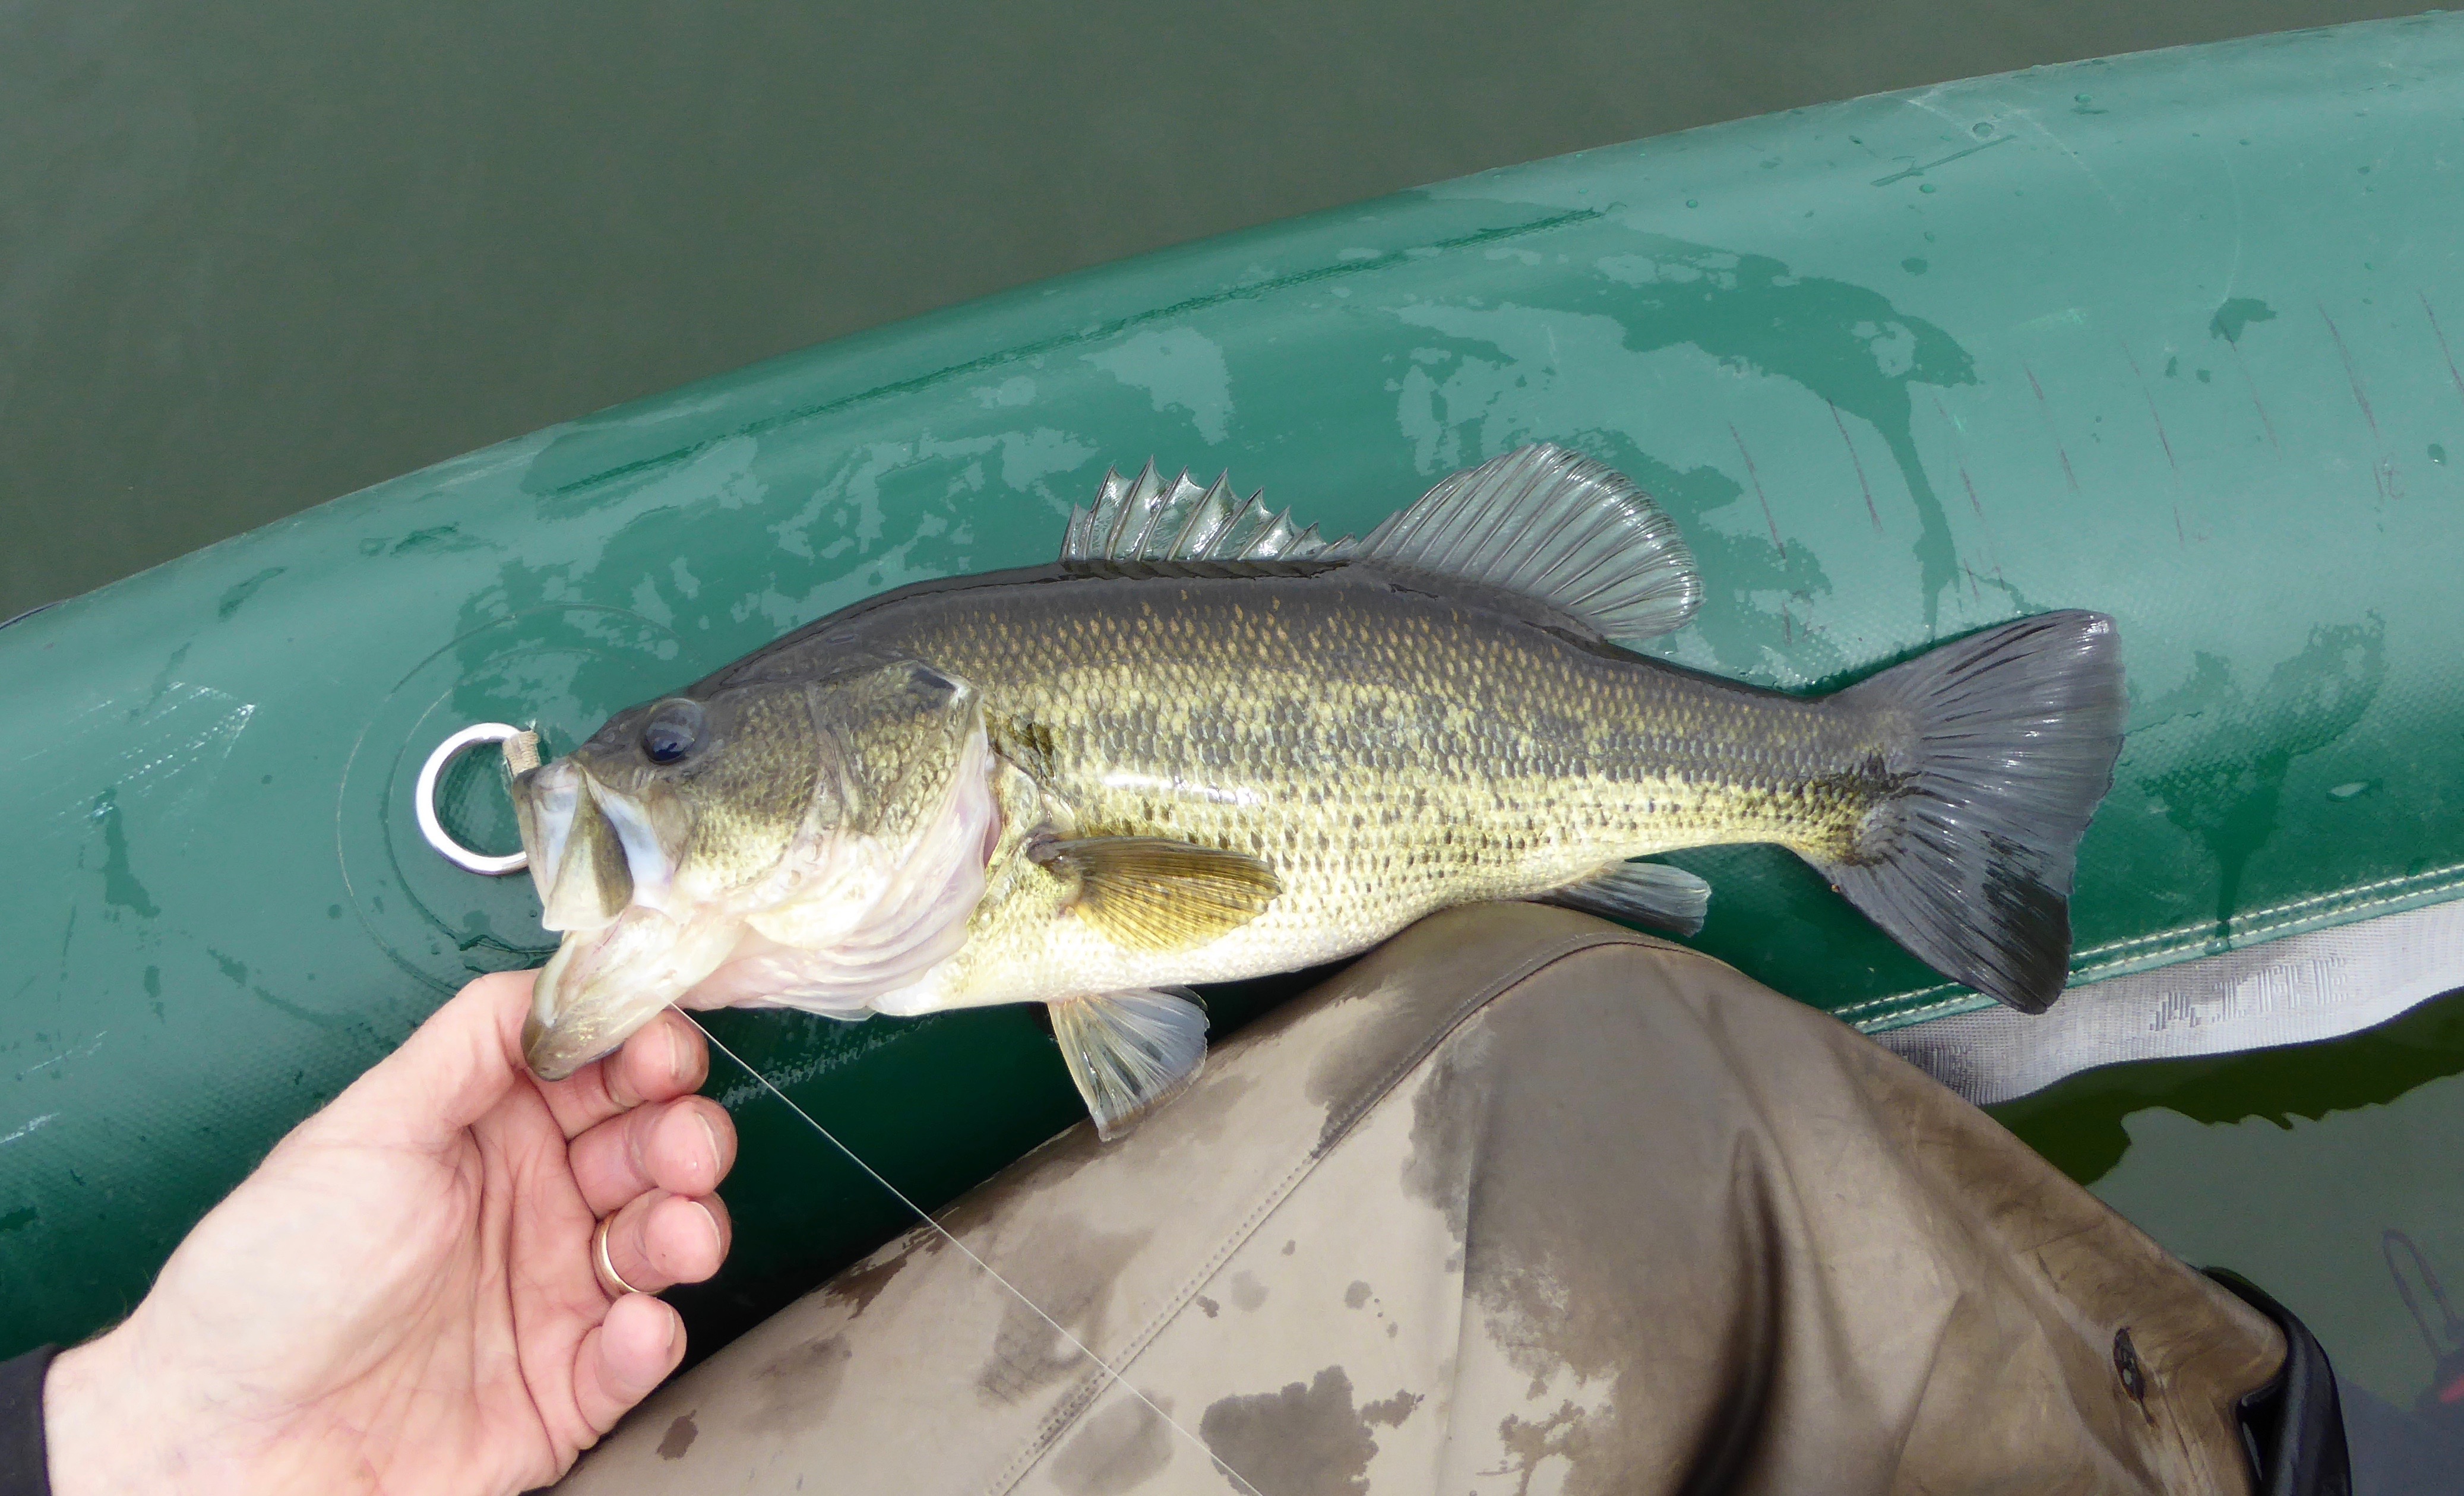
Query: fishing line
point(946, 1235)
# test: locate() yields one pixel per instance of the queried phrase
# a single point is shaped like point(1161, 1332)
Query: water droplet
point(2437, 453)
point(1984, 126)
point(1913, 265)
point(1693, 202)
point(1925, 187)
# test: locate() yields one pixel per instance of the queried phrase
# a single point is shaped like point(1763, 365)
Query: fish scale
point(1210, 744)
point(1387, 750)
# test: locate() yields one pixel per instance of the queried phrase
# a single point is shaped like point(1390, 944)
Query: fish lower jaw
point(602, 985)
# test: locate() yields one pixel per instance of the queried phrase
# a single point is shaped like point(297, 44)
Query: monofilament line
point(969, 1253)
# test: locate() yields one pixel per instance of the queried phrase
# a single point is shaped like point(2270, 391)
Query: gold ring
point(611, 1283)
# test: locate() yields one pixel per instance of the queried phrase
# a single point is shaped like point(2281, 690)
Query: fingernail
point(675, 1051)
point(717, 1239)
point(710, 1135)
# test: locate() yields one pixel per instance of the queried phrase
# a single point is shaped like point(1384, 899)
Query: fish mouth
point(606, 882)
point(847, 924)
point(592, 851)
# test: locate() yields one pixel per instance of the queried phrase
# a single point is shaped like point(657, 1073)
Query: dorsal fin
point(1148, 520)
point(1550, 525)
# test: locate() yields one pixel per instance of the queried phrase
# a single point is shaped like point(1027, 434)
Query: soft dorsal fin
point(1150, 893)
point(1549, 525)
point(1130, 1051)
point(1148, 520)
point(1646, 892)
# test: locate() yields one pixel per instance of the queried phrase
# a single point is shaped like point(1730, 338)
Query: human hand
point(402, 1297)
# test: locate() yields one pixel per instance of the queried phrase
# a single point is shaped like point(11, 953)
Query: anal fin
point(1130, 1051)
point(1646, 892)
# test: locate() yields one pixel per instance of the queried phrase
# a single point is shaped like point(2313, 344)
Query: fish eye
point(674, 730)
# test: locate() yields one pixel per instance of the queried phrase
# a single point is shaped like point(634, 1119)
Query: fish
point(1208, 744)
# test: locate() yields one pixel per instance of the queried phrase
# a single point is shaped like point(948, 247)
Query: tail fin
point(2005, 742)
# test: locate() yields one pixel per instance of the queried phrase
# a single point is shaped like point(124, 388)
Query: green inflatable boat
point(2172, 337)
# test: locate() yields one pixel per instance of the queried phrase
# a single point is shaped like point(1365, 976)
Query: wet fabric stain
point(1247, 1292)
point(797, 1387)
point(1068, 1269)
point(1495, 1148)
point(1447, 1112)
point(1356, 1295)
point(2233, 318)
point(1300, 1441)
point(2229, 791)
point(1845, 344)
point(1113, 1452)
point(121, 890)
point(236, 595)
point(679, 1437)
point(1391, 1412)
point(858, 1287)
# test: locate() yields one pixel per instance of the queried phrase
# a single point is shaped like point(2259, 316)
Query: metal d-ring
point(423, 796)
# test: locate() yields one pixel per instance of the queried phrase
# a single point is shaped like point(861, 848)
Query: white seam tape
point(2303, 987)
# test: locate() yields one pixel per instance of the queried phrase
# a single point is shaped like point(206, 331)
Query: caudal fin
point(2004, 742)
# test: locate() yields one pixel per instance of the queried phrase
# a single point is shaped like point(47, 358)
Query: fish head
point(687, 826)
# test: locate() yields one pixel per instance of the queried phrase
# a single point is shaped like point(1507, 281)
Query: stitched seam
point(1091, 1385)
point(2254, 928)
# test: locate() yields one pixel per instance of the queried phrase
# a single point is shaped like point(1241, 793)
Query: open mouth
point(848, 923)
point(605, 882)
point(593, 852)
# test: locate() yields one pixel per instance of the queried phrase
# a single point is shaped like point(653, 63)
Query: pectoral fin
point(1130, 1051)
point(1646, 892)
point(1147, 893)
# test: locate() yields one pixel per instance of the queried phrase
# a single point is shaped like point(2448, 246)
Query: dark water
point(2330, 1174)
point(255, 257)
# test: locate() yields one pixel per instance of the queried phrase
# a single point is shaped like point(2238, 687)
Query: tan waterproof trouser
point(1522, 1204)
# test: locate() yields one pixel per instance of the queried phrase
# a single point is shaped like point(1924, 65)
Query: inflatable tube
point(2171, 336)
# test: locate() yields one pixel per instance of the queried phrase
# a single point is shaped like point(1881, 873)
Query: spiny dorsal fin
point(1550, 525)
point(1148, 894)
point(1130, 1051)
point(1647, 892)
point(1148, 520)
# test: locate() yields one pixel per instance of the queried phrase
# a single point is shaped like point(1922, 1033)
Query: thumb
point(452, 1069)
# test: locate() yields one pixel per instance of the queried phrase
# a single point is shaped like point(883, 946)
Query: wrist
point(99, 1435)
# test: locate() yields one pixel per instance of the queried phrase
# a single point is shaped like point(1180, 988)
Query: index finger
point(665, 1059)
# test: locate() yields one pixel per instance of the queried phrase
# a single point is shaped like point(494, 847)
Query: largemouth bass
point(1207, 746)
